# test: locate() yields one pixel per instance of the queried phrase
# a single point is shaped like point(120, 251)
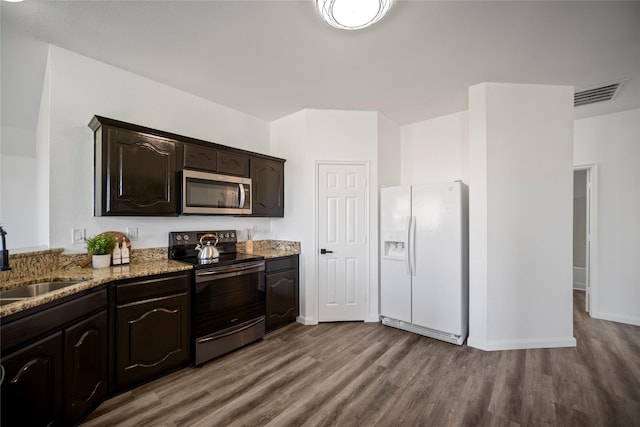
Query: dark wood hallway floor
point(364, 374)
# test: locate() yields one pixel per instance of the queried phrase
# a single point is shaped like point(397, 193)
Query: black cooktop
point(224, 259)
point(182, 247)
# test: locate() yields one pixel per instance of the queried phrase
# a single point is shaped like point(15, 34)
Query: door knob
point(324, 251)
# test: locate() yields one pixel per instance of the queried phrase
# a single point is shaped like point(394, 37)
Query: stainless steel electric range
point(228, 293)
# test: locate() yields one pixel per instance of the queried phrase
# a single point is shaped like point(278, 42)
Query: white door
point(342, 232)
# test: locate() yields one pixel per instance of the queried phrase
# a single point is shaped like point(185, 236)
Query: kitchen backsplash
point(43, 262)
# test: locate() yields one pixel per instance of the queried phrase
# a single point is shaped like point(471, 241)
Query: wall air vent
point(604, 92)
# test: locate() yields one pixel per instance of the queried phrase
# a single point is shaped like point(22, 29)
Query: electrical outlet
point(78, 235)
point(132, 233)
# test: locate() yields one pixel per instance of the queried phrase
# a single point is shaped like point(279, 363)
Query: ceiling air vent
point(601, 93)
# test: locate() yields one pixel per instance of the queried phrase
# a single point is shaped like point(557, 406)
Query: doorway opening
point(584, 233)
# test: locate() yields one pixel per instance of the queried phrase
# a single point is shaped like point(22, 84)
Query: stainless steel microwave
point(210, 193)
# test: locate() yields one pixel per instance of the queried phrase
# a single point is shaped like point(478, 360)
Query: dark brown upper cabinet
point(208, 159)
point(135, 172)
point(233, 164)
point(200, 158)
point(267, 178)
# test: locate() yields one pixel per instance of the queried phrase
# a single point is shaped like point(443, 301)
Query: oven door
point(228, 296)
point(209, 193)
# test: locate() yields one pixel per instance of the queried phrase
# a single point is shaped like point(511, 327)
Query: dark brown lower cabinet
point(151, 331)
point(56, 360)
point(55, 363)
point(282, 291)
point(85, 366)
point(31, 387)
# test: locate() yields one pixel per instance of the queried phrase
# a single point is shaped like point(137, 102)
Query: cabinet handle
point(324, 251)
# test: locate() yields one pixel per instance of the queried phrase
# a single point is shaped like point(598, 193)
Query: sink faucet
point(4, 253)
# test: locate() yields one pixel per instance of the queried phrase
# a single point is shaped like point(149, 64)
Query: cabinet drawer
point(131, 291)
point(201, 158)
point(279, 264)
point(30, 327)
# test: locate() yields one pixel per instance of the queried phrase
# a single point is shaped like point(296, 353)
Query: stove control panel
point(187, 238)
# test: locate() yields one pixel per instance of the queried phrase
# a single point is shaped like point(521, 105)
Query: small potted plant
point(100, 248)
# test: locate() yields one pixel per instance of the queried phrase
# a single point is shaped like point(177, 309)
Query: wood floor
point(364, 374)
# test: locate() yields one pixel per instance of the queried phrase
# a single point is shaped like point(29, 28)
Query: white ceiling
point(273, 58)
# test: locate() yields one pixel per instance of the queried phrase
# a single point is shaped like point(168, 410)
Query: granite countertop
point(89, 278)
point(270, 248)
point(53, 266)
point(274, 253)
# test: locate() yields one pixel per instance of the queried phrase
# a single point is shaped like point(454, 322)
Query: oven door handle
point(230, 272)
point(226, 334)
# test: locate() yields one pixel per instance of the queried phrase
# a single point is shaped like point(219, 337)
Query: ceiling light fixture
point(352, 14)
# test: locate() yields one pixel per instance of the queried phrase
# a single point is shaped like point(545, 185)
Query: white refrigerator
point(424, 279)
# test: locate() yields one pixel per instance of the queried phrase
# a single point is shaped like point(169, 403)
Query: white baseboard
point(521, 344)
point(373, 318)
point(617, 318)
point(306, 320)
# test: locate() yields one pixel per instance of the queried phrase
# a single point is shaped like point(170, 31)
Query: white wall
point(19, 170)
point(320, 135)
point(521, 192)
point(43, 149)
point(436, 150)
point(580, 218)
point(610, 141)
point(79, 88)
point(613, 143)
point(579, 229)
point(19, 179)
point(288, 140)
point(389, 152)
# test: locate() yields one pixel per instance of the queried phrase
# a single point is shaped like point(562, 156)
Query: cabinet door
point(282, 298)
point(233, 164)
point(267, 178)
point(85, 366)
point(140, 174)
point(152, 337)
point(200, 158)
point(31, 385)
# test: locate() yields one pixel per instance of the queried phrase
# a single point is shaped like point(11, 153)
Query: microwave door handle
point(241, 187)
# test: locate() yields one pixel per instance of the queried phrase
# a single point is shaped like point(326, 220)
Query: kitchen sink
point(33, 290)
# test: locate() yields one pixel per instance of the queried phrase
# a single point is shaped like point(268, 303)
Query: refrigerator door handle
point(412, 245)
point(408, 249)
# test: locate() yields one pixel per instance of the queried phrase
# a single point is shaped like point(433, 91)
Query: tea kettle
point(206, 251)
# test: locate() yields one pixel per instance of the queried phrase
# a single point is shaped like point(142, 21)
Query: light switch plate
point(78, 235)
point(132, 233)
